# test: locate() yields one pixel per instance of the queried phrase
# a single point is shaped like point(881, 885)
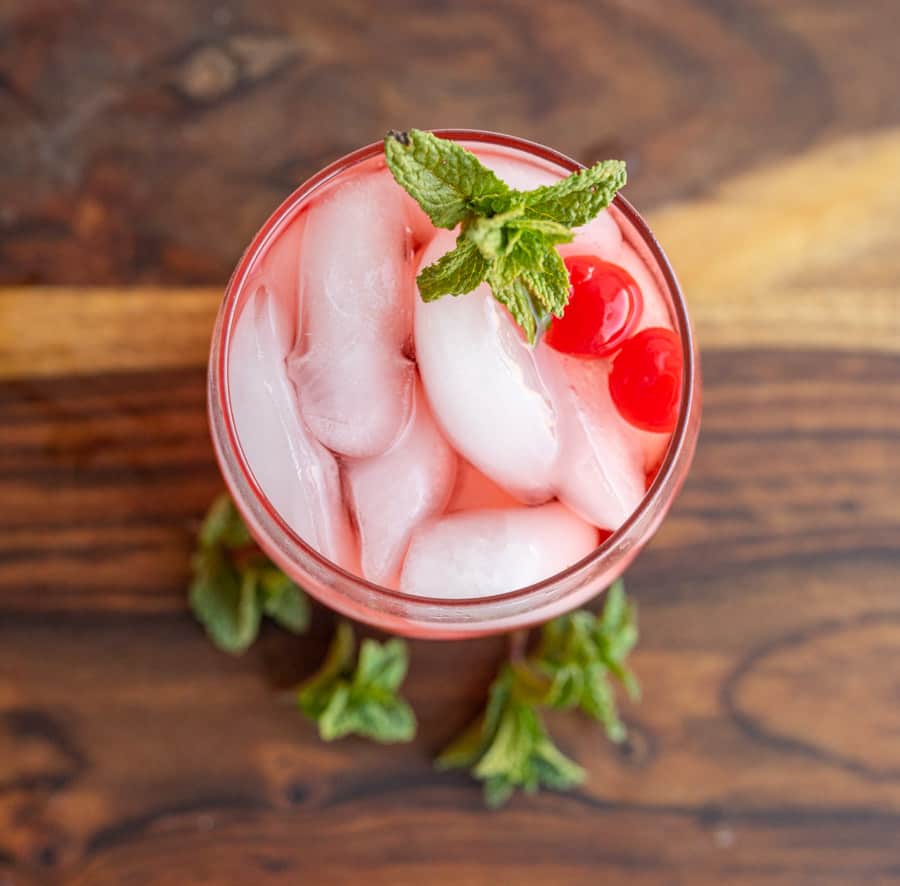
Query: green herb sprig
point(360, 698)
point(508, 747)
point(507, 238)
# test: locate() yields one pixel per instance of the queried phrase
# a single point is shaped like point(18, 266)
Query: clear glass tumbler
point(392, 610)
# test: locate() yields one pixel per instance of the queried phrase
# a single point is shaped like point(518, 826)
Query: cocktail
point(464, 464)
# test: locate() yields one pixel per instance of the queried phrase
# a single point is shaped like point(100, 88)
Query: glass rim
point(222, 341)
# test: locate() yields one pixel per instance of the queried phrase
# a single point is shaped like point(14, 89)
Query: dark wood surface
point(141, 145)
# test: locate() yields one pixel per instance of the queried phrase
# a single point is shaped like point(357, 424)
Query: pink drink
point(418, 465)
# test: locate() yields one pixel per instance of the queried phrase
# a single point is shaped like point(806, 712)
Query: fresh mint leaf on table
point(581, 654)
point(507, 237)
point(235, 584)
point(360, 698)
point(508, 747)
point(577, 660)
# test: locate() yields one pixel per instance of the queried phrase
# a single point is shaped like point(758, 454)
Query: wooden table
point(141, 148)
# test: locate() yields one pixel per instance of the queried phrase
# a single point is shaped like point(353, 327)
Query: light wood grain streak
point(756, 260)
point(799, 253)
point(51, 331)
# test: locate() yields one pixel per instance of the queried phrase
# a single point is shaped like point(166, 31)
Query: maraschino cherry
point(604, 305)
point(645, 380)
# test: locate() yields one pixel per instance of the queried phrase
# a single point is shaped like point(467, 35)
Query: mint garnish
point(508, 238)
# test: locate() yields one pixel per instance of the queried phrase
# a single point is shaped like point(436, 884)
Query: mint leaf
point(617, 635)
point(223, 525)
point(314, 694)
point(567, 688)
point(517, 299)
point(549, 286)
point(530, 279)
point(382, 665)
point(576, 199)
point(283, 601)
point(234, 583)
point(509, 748)
point(388, 721)
point(522, 252)
point(598, 701)
point(580, 652)
point(335, 721)
point(463, 752)
point(224, 601)
point(553, 232)
point(508, 238)
point(447, 181)
point(359, 699)
point(455, 273)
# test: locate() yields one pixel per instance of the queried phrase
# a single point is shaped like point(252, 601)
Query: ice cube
point(487, 552)
point(296, 473)
point(394, 492)
point(421, 229)
point(278, 268)
point(600, 469)
point(653, 445)
point(601, 236)
point(484, 388)
point(353, 380)
point(521, 173)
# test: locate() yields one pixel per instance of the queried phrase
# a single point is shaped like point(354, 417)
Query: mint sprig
point(576, 199)
point(234, 584)
point(509, 747)
point(361, 698)
point(582, 654)
point(508, 237)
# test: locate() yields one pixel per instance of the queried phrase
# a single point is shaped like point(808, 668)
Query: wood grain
point(144, 143)
point(765, 749)
point(782, 262)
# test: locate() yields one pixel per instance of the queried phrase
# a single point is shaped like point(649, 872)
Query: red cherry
point(604, 305)
point(645, 380)
point(603, 535)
